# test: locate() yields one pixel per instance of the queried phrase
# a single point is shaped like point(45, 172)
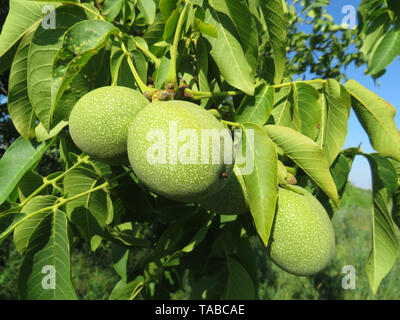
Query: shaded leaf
point(120, 257)
point(28, 184)
point(127, 291)
point(239, 285)
point(167, 7)
point(88, 213)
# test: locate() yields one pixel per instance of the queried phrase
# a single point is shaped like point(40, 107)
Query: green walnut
point(99, 122)
point(232, 199)
point(177, 149)
point(302, 239)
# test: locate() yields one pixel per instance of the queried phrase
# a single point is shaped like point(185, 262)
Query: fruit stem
point(152, 57)
point(141, 84)
point(198, 95)
point(172, 74)
point(233, 124)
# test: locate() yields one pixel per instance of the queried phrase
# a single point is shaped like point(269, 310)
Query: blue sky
point(388, 87)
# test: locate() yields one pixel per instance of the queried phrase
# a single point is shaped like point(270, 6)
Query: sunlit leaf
point(377, 118)
point(307, 155)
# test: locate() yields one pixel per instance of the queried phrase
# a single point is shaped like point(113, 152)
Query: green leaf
point(166, 8)
point(60, 1)
point(135, 201)
point(88, 213)
point(7, 59)
point(29, 183)
point(227, 51)
point(171, 25)
point(46, 272)
point(396, 208)
point(340, 170)
point(257, 109)
point(162, 72)
point(42, 134)
point(247, 29)
point(112, 8)
point(239, 285)
point(281, 114)
point(120, 71)
point(385, 52)
point(43, 50)
point(277, 24)
point(394, 6)
point(19, 106)
point(23, 16)
point(262, 181)
point(19, 158)
point(80, 43)
point(127, 291)
point(306, 101)
point(202, 60)
point(154, 33)
point(307, 155)
point(120, 257)
point(148, 8)
point(205, 28)
point(385, 245)
point(9, 220)
point(248, 258)
point(24, 231)
point(335, 123)
point(377, 118)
